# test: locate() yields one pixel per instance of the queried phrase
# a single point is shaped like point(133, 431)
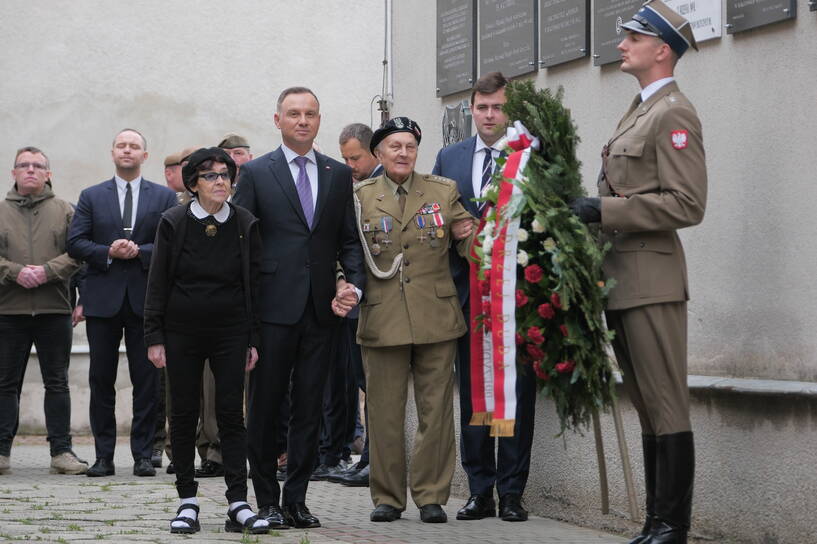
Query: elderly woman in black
point(200, 306)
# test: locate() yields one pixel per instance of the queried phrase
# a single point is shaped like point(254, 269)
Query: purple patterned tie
point(304, 190)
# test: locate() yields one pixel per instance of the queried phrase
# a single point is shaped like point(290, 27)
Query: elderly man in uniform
point(653, 182)
point(410, 320)
point(237, 147)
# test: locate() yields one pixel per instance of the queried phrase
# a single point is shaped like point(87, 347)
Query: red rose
point(487, 274)
point(535, 335)
point(533, 273)
point(521, 298)
point(535, 352)
point(519, 339)
point(539, 369)
point(546, 311)
point(484, 288)
point(486, 307)
point(564, 330)
point(486, 323)
point(565, 366)
point(554, 299)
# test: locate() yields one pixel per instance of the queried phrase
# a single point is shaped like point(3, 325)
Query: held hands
point(252, 358)
point(587, 209)
point(31, 276)
point(462, 229)
point(77, 316)
point(123, 249)
point(345, 298)
point(156, 354)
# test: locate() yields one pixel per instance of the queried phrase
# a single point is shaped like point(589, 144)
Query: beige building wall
point(182, 73)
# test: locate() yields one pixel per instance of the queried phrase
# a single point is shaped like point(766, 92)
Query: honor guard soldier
point(410, 320)
point(653, 182)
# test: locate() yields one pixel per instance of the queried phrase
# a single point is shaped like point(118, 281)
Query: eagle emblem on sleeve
point(679, 139)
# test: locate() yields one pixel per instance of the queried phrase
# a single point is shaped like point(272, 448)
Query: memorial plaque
point(507, 36)
point(608, 16)
point(703, 15)
point(745, 14)
point(813, 5)
point(564, 31)
point(456, 52)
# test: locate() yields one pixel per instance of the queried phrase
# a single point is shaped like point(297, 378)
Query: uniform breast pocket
point(625, 154)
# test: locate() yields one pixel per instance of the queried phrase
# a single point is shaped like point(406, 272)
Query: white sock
point(246, 514)
point(186, 513)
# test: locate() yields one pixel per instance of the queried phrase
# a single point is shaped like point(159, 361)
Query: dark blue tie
point(487, 172)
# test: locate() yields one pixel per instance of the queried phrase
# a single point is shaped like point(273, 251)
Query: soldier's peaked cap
point(655, 18)
point(397, 124)
point(232, 140)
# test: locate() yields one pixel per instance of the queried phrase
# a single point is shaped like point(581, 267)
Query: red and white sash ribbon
point(493, 341)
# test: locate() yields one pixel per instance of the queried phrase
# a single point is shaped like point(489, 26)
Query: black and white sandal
point(193, 525)
point(232, 525)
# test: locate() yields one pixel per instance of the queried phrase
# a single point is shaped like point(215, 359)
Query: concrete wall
point(751, 261)
point(183, 73)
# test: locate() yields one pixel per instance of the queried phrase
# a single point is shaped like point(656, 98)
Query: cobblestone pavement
point(38, 506)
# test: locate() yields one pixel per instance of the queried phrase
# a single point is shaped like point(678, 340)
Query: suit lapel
point(465, 182)
point(142, 205)
point(325, 173)
point(112, 196)
point(283, 177)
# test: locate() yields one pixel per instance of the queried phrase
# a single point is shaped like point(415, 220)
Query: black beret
point(397, 124)
point(190, 170)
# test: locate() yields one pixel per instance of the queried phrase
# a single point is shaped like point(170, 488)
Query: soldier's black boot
point(648, 447)
point(675, 474)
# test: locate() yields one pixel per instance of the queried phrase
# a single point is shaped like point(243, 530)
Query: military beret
point(231, 141)
point(190, 170)
point(655, 18)
point(187, 151)
point(397, 124)
point(172, 160)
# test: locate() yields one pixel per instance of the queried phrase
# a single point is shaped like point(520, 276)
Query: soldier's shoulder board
point(440, 179)
point(365, 183)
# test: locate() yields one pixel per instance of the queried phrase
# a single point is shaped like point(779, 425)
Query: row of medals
point(380, 238)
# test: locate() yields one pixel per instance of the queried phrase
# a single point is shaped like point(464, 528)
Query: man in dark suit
point(113, 231)
point(304, 202)
point(471, 164)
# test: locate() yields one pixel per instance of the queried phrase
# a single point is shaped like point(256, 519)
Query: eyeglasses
point(27, 165)
point(213, 176)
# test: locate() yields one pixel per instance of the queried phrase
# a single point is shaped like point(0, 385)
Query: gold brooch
point(210, 230)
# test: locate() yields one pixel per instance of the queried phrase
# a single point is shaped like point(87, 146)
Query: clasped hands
point(123, 249)
point(32, 276)
point(462, 229)
point(158, 356)
point(345, 298)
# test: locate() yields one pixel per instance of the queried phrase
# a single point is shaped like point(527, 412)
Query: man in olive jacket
point(35, 306)
point(653, 182)
point(410, 320)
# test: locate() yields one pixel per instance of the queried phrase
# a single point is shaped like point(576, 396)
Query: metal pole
point(605, 493)
point(625, 461)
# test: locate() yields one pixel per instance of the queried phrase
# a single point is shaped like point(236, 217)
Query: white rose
point(522, 235)
point(487, 244)
point(522, 258)
point(489, 229)
point(537, 226)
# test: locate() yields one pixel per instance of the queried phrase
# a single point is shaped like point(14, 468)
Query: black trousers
point(338, 421)
point(359, 375)
point(104, 335)
point(508, 467)
point(186, 355)
point(294, 357)
point(51, 334)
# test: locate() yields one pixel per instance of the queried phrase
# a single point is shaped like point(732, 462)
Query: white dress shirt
point(653, 87)
point(121, 188)
point(311, 170)
point(476, 165)
point(220, 216)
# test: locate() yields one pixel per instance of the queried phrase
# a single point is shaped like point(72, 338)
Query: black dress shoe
point(156, 458)
point(102, 467)
point(511, 509)
point(274, 516)
point(478, 507)
point(385, 512)
point(320, 473)
point(171, 468)
point(664, 533)
point(210, 469)
point(357, 479)
point(299, 516)
point(143, 467)
point(432, 513)
point(337, 476)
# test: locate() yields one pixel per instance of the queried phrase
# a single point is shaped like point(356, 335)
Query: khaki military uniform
point(655, 173)
point(410, 319)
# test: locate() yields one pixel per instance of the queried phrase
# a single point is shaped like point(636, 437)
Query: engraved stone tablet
point(608, 16)
point(703, 15)
point(507, 36)
point(564, 31)
point(456, 53)
point(745, 14)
